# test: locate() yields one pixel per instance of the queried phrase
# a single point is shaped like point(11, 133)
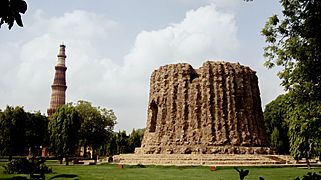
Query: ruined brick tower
point(213, 109)
point(58, 88)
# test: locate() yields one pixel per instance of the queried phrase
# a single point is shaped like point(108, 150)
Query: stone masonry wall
point(213, 109)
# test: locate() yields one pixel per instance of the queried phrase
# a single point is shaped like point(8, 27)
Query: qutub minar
point(58, 88)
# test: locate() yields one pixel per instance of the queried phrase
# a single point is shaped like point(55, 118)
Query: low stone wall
point(204, 159)
point(179, 149)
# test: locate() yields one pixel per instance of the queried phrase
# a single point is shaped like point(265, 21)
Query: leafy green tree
point(294, 43)
point(122, 142)
point(275, 118)
point(10, 12)
point(36, 131)
point(64, 128)
point(20, 130)
point(110, 147)
point(12, 131)
point(4, 133)
point(305, 131)
point(135, 139)
point(119, 142)
point(276, 142)
point(96, 125)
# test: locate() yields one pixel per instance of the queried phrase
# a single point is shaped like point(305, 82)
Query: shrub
point(24, 166)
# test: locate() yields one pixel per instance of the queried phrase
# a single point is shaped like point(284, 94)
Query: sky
point(113, 47)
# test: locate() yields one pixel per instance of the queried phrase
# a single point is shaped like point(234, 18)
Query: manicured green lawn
point(110, 171)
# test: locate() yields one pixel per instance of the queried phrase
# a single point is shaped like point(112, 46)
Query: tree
point(20, 130)
point(294, 43)
point(305, 131)
point(119, 142)
point(64, 128)
point(110, 146)
point(12, 131)
point(135, 139)
point(275, 119)
point(122, 142)
point(36, 131)
point(10, 12)
point(96, 124)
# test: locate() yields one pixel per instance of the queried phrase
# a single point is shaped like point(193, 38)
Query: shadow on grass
point(64, 176)
point(15, 178)
point(54, 177)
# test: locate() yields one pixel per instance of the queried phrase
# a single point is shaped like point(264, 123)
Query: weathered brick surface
point(213, 109)
point(58, 87)
point(204, 159)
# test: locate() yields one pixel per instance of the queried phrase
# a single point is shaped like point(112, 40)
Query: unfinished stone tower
point(58, 88)
point(213, 109)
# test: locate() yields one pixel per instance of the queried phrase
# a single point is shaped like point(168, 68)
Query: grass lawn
point(110, 171)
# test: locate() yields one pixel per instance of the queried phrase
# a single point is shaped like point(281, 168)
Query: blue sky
point(112, 48)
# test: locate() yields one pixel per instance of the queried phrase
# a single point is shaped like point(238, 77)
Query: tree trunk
point(95, 156)
point(85, 151)
point(10, 153)
point(67, 160)
point(33, 154)
point(60, 160)
point(308, 163)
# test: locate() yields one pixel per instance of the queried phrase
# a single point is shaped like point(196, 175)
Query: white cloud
point(227, 4)
point(75, 25)
point(221, 4)
point(33, 59)
point(204, 33)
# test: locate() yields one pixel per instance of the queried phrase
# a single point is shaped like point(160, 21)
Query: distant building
point(58, 88)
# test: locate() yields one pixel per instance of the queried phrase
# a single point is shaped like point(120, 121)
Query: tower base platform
point(204, 159)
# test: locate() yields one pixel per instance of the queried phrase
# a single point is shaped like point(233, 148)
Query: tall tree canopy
point(96, 124)
point(122, 142)
point(119, 142)
point(64, 128)
point(135, 139)
point(36, 131)
point(275, 118)
point(305, 131)
point(20, 131)
point(10, 12)
point(12, 131)
point(294, 43)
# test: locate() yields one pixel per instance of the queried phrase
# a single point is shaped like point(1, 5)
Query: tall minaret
point(58, 88)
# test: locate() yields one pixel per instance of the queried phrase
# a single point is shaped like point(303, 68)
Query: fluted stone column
point(213, 109)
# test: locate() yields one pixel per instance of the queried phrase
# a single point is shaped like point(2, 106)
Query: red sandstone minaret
point(58, 88)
